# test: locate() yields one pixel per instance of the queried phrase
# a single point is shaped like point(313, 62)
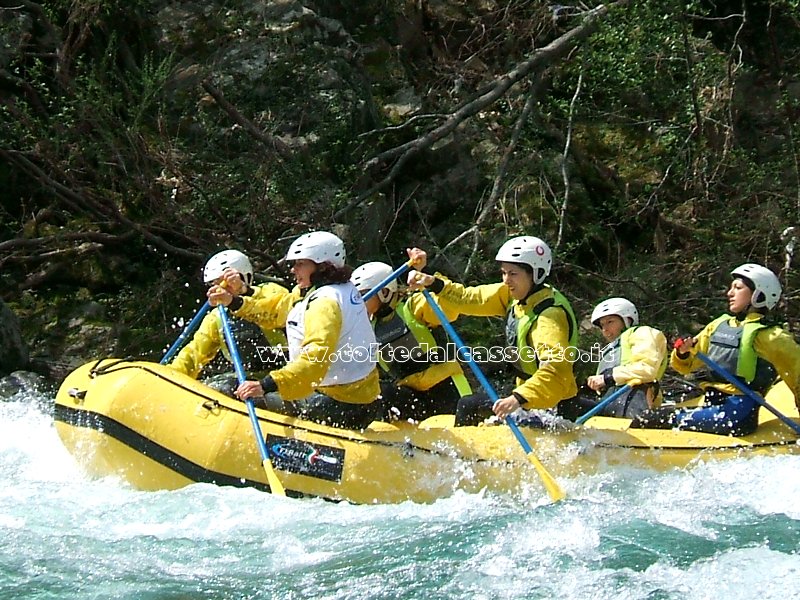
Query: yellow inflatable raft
point(159, 429)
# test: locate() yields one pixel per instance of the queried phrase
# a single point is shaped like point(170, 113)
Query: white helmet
point(530, 251)
point(621, 307)
point(318, 246)
point(228, 259)
point(767, 288)
point(370, 274)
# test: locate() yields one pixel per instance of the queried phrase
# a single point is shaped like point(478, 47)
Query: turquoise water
point(728, 530)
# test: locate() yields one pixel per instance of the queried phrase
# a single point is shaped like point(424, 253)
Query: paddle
point(189, 330)
point(393, 275)
point(550, 484)
point(745, 389)
point(276, 487)
point(602, 404)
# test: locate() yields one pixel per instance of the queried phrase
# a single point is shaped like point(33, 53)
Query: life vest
point(732, 348)
point(353, 358)
point(403, 330)
point(518, 328)
point(250, 340)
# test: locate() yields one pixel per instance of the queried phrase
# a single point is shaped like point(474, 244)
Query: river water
point(721, 530)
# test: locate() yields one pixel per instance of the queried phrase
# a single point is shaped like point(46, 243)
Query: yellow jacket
point(269, 310)
point(208, 339)
point(553, 381)
point(648, 350)
point(424, 380)
point(323, 324)
point(773, 344)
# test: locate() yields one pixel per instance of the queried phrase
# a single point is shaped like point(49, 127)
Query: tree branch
point(538, 60)
point(497, 186)
point(274, 143)
point(84, 236)
point(562, 214)
point(76, 200)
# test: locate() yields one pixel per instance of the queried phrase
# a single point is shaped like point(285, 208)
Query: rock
point(29, 388)
point(23, 383)
point(13, 350)
point(405, 103)
point(90, 339)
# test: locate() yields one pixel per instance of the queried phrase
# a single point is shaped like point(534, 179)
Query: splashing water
point(722, 530)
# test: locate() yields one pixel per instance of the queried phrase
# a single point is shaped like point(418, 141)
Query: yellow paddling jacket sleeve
point(269, 308)
point(773, 344)
point(301, 377)
point(422, 311)
point(490, 300)
point(648, 350)
point(777, 346)
point(553, 380)
point(202, 348)
point(686, 365)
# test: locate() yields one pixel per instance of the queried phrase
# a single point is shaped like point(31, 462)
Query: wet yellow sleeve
point(268, 310)
point(778, 347)
point(425, 380)
point(363, 391)
point(419, 306)
point(554, 380)
point(267, 289)
point(202, 348)
point(323, 325)
point(648, 350)
point(686, 365)
point(490, 300)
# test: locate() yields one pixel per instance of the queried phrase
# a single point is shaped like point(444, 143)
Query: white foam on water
point(626, 533)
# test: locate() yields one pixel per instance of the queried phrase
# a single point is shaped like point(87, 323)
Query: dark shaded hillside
point(654, 146)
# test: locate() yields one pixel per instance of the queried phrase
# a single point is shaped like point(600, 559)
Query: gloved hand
point(418, 280)
point(683, 345)
point(418, 257)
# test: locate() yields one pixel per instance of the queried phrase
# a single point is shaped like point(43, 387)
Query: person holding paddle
point(331, 376)
point(741, 342)
point(635, 355)
point(541, 328)
point(253, 336)
point(423, 382)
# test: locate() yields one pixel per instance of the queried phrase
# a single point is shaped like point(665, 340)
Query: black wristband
point(520, 398)
point(608, 378)
point(268, 385)
point(437, 286)
point(236, 304)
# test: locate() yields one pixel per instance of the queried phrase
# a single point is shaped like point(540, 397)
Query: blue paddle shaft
point(231, 343)
point(462, 348)
point(467, 355)
point(395, 274)
point(550, 484)
point(240, 375)
point(745, 389)
point(601, 405)
point(189, 330)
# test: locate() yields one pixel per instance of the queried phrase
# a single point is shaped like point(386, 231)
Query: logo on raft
point(313, 460)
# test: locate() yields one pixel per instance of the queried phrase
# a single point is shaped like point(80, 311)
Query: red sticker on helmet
point(539, 250)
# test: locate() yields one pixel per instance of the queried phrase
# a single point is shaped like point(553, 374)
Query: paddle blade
point(550, 484)
point(275, 485)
